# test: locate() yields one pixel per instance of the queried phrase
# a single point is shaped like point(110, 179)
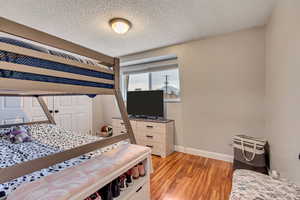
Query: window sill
point(165, 101)
point(172, 100)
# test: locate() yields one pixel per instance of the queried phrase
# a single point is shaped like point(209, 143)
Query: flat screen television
point(145, 104)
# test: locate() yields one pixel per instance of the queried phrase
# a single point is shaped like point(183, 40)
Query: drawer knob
point(149, 146)
point(148, 126)
point(122, 123)
point(149, 136)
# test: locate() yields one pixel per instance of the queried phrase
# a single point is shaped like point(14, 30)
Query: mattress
point(58, 137)
point(37, 62)
point(250, 185)
point(11, 154)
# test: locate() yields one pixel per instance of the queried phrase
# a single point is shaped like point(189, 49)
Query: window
point(138, 82)
point(166, 79)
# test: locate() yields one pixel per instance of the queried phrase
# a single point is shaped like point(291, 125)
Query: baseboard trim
point(203, 153)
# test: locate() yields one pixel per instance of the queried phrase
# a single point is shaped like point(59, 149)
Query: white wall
point(225, 81)
point(222, 85)
point(98, 114)
point(282, 88)
point(223, 89)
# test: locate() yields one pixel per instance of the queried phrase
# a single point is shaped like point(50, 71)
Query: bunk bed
point(27, 69)
point(46, 139)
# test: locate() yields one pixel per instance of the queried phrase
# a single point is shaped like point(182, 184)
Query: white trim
point(179, 148)
point(150, 67)
point(178, 100)
point(207, 154)
point(148, 60)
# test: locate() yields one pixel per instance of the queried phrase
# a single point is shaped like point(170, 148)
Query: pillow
point(19, 135)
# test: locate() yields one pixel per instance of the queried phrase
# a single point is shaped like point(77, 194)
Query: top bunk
point(27, 69)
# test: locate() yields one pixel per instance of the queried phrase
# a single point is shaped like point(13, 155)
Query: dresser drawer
point(155, 147)
point(151, 137)
point(151, 127)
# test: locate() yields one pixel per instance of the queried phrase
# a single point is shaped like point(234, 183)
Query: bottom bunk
point(44, 140)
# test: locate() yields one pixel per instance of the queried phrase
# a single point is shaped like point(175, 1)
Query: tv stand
point(158, 134)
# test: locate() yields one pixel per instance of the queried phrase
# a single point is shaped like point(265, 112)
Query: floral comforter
point(249, 185)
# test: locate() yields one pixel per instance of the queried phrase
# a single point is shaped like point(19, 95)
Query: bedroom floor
point(186, 177)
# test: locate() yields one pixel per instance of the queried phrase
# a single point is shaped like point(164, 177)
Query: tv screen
point(146, 103)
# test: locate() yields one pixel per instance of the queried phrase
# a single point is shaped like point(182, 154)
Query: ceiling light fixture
point(120, 25)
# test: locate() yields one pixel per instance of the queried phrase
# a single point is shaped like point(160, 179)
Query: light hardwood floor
point(186, 177)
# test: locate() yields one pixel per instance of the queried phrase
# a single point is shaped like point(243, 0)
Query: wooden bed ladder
point(120, 101)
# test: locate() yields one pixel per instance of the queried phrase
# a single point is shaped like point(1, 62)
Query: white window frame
point(149, 70)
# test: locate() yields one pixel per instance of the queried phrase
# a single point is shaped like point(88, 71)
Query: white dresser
point(156, 134)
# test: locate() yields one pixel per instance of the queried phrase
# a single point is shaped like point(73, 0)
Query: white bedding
point(250, 185)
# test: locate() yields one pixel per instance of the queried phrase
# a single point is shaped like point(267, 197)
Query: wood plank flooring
point(186, 177)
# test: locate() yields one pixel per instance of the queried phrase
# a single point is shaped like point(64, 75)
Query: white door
point(34, 110)
point(70, 112)
point(73, 113)
point(12, 110)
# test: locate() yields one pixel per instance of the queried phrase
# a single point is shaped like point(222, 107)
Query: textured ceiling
point(156, 23)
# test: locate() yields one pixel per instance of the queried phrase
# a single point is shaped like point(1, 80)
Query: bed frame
point(14, 87)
